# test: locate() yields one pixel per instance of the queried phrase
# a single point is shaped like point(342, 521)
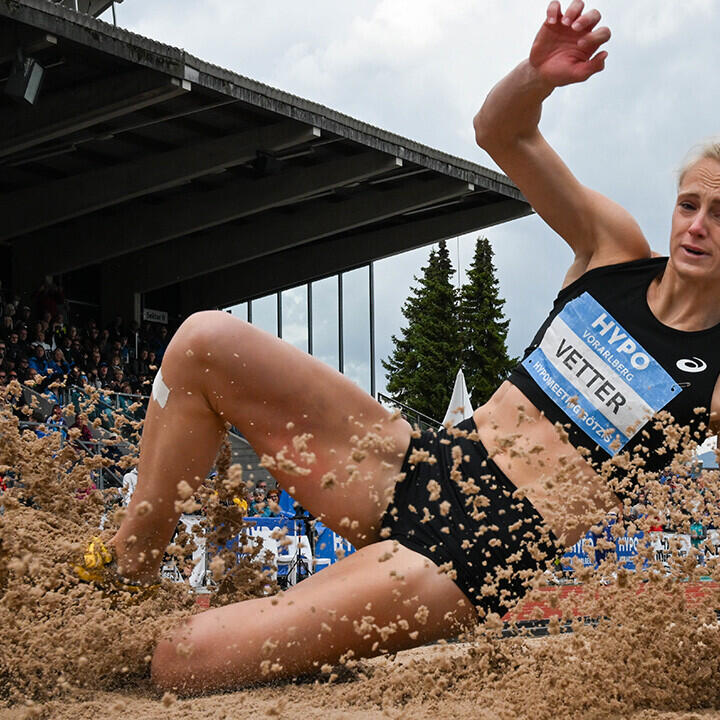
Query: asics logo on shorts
point(691, 365)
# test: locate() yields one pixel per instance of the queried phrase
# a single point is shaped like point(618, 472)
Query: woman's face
point(695, 235)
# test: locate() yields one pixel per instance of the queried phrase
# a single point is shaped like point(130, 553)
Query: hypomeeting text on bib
point(598, 374)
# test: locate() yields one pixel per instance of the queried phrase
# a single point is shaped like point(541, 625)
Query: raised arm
point(565, 51)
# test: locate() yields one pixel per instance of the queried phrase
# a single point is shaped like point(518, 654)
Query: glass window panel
point(295, 317)
point(264, 313)
point(325, 321)
point(393, 280)
point(356, 326)
point(239, 311)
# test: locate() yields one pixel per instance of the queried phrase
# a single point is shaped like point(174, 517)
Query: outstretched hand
point(565, 49)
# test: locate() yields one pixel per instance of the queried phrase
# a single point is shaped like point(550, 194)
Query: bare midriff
point(538, 459)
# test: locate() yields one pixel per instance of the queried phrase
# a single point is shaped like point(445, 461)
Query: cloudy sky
point(422, 69)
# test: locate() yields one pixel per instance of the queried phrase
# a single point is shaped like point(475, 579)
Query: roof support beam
point(227, 246)
point(78, 195)
point(153, 224)
point(332, 255)
point(68, 111)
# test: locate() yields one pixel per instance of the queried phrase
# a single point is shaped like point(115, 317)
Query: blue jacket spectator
point(59, 366)
point(38, 361)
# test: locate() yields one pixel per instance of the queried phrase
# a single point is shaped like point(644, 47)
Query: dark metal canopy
point(143, 174)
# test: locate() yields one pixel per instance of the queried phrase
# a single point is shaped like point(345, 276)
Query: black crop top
point(602, 364)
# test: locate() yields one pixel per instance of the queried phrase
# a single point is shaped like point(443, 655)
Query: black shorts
point(457, 508)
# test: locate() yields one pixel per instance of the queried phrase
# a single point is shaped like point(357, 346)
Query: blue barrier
point(628, 547)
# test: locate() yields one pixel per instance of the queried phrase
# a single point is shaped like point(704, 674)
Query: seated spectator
point(39, 338)
point(153, 363)
point(77, 355)
point(85, 433)
point(273, 504)
point(23, 370)
point(38, 362)
point(58, 365)
point(92, 378)
point(3, 378)
point(76, 377)
point(23, 340)
point(103, 376)
point(13, 349)
point(57, 331)
point(124, 351)
point(143, 385)
point(160, 343)
point(128, 486)
point(92, 339)
point(94, 359)
point(56, 422)
point(118, 380)
point(65, 344)
point(115, 363)
point(141, 365)
point(258, 506)
point(697, 534)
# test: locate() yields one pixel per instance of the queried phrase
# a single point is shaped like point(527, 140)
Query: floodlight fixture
point(25, 80)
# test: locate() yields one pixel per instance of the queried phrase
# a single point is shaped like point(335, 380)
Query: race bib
point(598, 374)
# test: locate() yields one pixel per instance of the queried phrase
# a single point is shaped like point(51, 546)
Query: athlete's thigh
point(384, 598)
point(329, 443)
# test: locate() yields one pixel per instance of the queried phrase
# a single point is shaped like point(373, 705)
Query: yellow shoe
point(96, 560)
point(99, 567)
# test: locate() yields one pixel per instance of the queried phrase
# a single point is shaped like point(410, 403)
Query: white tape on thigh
point(160, 390)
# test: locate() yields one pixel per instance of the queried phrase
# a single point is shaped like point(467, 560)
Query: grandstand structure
point(143, 178)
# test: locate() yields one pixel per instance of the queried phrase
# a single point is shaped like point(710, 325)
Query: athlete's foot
point(142, 568)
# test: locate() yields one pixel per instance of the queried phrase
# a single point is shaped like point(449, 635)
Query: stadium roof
point(160, 175)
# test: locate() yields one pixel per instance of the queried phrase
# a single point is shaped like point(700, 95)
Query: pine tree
point(426, 357)
point(483, 328)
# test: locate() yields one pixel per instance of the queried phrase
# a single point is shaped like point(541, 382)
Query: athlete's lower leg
point(181, 438)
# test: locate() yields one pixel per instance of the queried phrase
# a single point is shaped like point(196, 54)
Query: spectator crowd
point(43, 347)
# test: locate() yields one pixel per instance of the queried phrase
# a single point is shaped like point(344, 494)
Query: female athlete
point(449, 526)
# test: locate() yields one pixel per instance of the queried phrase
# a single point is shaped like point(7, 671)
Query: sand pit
point(446, 692)
point(69, 651)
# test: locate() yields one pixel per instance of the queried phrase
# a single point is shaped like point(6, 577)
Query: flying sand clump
point(651, 647)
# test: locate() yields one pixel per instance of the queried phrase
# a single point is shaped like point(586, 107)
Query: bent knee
point(202, 332)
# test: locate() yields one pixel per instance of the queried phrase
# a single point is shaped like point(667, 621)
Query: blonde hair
point(710, 149)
